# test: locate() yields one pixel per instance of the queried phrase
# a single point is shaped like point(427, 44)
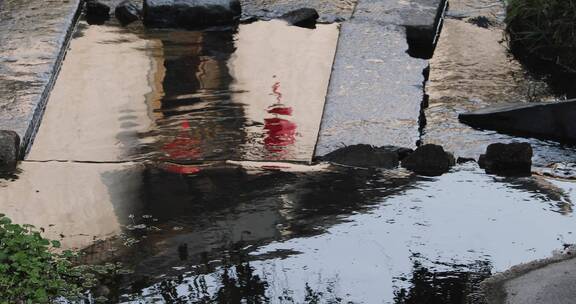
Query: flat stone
point(541, 120)
point(33, 35)
point(551, 281)
point(421, 18)
point(9, 151)
point(190, 13)
point(375, 91)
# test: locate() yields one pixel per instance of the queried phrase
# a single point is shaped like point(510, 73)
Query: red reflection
point(183, 147)
point(281, 111)
point(180, 169)
point(280, 132)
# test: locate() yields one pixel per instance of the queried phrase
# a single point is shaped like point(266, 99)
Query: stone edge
point(42, 100)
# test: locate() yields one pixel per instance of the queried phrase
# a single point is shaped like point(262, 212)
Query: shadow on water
point(455, 283)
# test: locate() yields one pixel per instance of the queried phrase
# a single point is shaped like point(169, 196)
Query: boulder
point(365, 156)
point(9, 151)
point(97, 12)
point(553, 121)
point(513, 159)
point(127, 12)
point(302, 17)
point(429, 160)
point(190, 13)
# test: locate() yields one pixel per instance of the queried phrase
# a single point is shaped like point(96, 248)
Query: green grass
point(543, 29)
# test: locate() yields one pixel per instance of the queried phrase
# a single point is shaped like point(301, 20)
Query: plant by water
point(34, 270)
point(543, 30)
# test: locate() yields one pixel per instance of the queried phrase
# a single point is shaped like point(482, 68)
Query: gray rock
point(97, 12)
point(190, 13)
point(429, 160)
point(365, 156)
point(303, 17)
point(541, 120)
point(127, 12)
point(9, 151)
point(513, 159)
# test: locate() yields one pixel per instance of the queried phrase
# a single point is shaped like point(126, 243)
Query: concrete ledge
point(540, 120)
point(35, 35)
point(506, 287)
point(376, 90)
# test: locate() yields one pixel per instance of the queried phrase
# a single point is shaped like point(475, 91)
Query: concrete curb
point(23, 115)
point(493, 288)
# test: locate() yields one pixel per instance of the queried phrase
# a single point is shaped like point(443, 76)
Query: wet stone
point(304, 17)
point(9, 147)
point(371, 61)
point(127, 12)
point(429, 160)
point(365, 156)
point(97, 12)
point(513, 159)
point(190, 13)
point(541, 120)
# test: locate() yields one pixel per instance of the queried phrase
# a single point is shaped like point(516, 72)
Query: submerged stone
point(429, 160)
point(190, 13)
point(303, 17)
point(127, 12)
point(9, 151)
point(366, 156)
point(541, 120)
point(513, 159)
point(97, 12)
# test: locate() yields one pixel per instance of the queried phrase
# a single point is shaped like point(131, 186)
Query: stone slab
point(375, 91)
point(33, 35)
point(541, 120)
point(376, 88)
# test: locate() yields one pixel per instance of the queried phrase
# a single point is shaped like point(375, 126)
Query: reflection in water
point(472, 69)
point(456, 284)
point(251, 93)
point(348, 235)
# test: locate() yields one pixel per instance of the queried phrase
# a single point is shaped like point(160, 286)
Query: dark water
point(333, 236)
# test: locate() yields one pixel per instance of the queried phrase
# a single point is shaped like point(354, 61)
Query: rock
point(127, 12)
point(97, 12)
point(302, 17)
point(365, 156)
point(429, 160)
point(513, 159)
point(463, 160)
point(541, 120)
point(9, 151)
point(190, 13)
point(481, 21)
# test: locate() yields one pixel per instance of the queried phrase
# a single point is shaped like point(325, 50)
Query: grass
point(543, 30)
